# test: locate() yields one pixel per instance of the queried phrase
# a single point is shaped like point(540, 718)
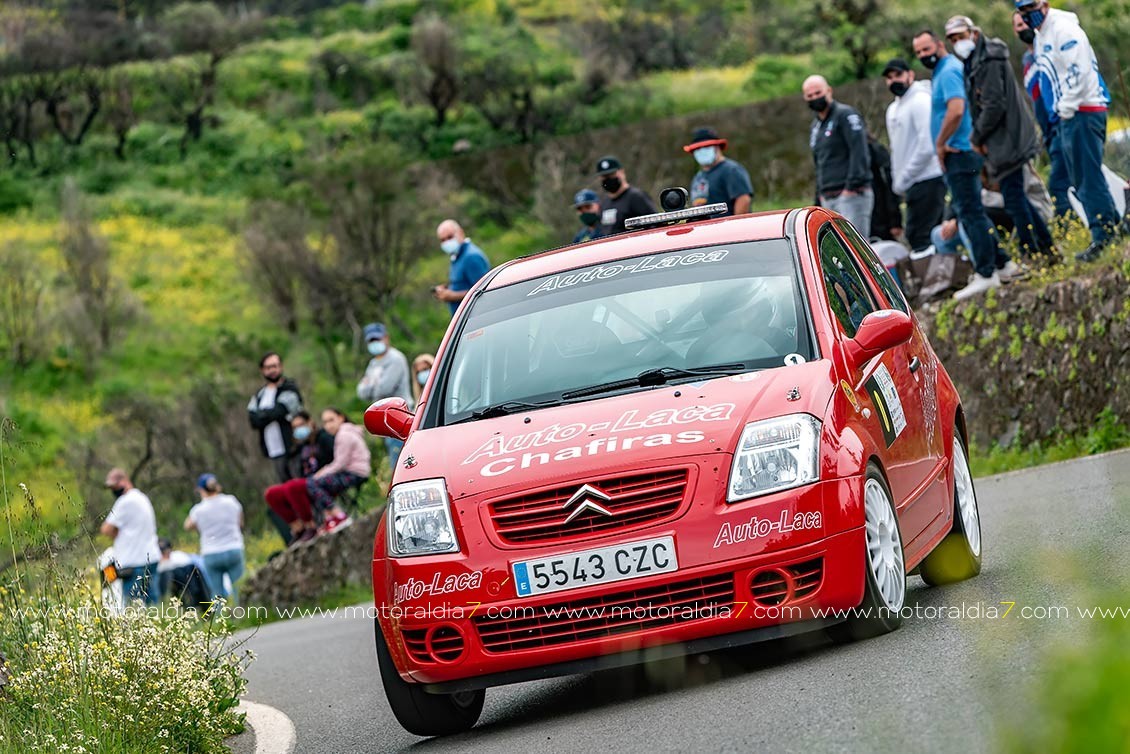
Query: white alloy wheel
point(966, 498)
point(884, 546)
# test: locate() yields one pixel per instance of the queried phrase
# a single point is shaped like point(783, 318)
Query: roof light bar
point(665, 218)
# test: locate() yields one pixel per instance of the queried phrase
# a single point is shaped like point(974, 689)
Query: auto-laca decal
point(631, 429)
point(644, 264)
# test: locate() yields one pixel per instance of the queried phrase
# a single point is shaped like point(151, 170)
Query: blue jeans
point(393, 448)
point(142, 584)
point(1059, 179)
point(219, 563)
point(1084, 138)
point(955, 245)
point(1030, 226)
point(963, 176)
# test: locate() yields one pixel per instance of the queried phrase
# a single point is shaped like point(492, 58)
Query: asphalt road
point(1051, 534)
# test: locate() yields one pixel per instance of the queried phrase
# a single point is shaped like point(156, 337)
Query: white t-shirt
point(272, 433)
point(217, 520)
point(136, 543)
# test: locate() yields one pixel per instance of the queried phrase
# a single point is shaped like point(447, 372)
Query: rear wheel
point(958, 556)
point(884, 581)
point(420, 712)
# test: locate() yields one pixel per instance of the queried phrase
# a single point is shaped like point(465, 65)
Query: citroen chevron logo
point(589, 495)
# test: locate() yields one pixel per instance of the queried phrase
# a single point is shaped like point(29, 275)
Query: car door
point(885, 384)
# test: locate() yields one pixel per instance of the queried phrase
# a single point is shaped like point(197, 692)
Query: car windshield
point(627, 325)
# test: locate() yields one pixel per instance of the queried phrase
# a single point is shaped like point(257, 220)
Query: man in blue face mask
point(719, 179)
point(386, 376)
point(468, 264)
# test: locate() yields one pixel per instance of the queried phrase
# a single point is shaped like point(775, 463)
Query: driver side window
point(847, 293)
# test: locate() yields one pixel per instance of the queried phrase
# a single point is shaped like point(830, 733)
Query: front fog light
point(775, 455)
point(419, 519)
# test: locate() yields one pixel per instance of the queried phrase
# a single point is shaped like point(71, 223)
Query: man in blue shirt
point(951, 127)
point(719, 179)
point(468, 264)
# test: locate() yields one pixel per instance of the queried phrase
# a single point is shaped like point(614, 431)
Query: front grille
point(636, 500)
point(607, 615)
point(776, 586)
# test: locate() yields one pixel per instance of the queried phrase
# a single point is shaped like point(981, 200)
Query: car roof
point(756, 227)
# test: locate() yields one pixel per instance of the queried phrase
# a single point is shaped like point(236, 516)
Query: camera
point(674, 198)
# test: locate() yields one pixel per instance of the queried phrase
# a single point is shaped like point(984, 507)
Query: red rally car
point(689, 437)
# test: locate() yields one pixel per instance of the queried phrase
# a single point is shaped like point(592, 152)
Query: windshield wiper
point(656, 377)
point(504, 409)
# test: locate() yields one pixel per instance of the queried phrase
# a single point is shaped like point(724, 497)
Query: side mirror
point(389, 417)
point(877, 332)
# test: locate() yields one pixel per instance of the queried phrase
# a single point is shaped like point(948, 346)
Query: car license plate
point(599, 566)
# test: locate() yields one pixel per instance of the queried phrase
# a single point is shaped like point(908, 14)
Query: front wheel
point(420, 712)
point(884, 581)
point(958, 556)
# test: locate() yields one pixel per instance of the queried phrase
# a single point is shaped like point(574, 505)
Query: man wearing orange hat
point(719, 179)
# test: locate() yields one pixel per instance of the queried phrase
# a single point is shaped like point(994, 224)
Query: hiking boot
point(980, 284)
point(1091, 253)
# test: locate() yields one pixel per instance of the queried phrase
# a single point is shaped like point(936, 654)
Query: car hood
point(616, 433)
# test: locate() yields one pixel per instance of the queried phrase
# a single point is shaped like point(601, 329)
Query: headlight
point(774, 455)
point(419, 519)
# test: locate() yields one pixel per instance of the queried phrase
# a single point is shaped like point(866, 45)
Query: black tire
point(958, 556)
point(423, 713)
point(876, 615)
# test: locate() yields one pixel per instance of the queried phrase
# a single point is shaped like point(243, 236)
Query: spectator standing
point(218, 518)
point(916, 174)
point(1040, 89)
point(719, 179)
point(1004, 129)
point(886, 217)
point(950, 128)
point(132, 525)
point(838, 138)
point(386, 376)
point(270, 412)
point(1080, 99)
point(586, 203)
point(468, 264)
point(421, 371)
point(622, 201)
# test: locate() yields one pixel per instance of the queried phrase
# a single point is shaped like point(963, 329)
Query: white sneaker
point(979, 285)
point(1012, 271)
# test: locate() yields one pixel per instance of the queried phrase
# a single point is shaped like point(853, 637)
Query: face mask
point(1027, 36)
point(589, 218)
point(611, 184)
point(377, 347)
point(705, 155)
point(302, 433)
point(422, 376)
point(818, 105)
point(1034, 19)
point(118, 491)
point(450, 246)
point(963, 48)
point(898, 88)
point(929, 61)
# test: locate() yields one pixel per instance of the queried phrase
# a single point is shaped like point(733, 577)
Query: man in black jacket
point(622, 201)
point(1004, 128)
point(838, 138)
point(270, 412)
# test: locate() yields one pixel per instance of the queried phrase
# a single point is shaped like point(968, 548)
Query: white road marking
point(273, 730)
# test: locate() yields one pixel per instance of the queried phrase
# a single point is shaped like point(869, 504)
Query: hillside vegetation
point(189, 185)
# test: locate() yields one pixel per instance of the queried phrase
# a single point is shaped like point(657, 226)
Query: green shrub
point(14, 194)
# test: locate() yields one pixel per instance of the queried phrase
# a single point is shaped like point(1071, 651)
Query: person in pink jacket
point(295, 501)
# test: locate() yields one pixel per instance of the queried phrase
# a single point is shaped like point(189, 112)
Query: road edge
point(273, 731)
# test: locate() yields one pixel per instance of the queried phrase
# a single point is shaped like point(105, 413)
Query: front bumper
point(732, 587)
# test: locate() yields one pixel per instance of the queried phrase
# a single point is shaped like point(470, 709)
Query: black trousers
point(925, 207)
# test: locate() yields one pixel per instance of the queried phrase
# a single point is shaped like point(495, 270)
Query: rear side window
point(848, 295)
point(879, 271)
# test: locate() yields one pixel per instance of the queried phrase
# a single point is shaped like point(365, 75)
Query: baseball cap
point(705, 136)
point(607, 164)
point(585, 196)
point(895, 65)
point(959, 24)
point(203, 481)
point(1021, 4)
point(375, 331)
